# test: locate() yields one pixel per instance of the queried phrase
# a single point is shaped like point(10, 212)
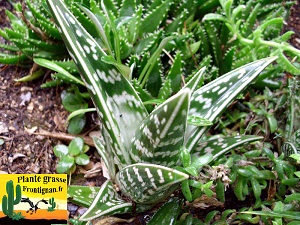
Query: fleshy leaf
point(161, 134)
point(106, 156)
point(148, 183)
point(212, 99)
point(76, 146)
point(82, 159)
point(168, 213)
point(60, 150)
point(151, 22)
point(67, 77)
point(221, 145)
point(65, 164)
point(107, 202)
point(117, 103)
point(82, 195)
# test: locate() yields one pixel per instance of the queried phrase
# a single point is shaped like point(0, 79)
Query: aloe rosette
point(139, 149)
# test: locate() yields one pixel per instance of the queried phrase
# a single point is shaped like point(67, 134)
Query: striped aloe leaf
point(107, 157)
point(212, 99)
point(117, 103)
point(161, 134)
point(148, 183)
point(107, 202)
point(82, 195)
point(218, 146)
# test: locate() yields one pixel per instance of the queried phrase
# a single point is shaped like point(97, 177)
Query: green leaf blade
point(211, 100)
point(115, 99)
point(148, 183)
point(107, 202)
point(160, 136)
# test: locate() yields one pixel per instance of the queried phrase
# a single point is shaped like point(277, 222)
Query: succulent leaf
point(82, 195)
point(107, 202)
point(115, 99)
point(210, 100)
point(161, 134)
point(148, 183)
point(219, 146)
point(107, 157)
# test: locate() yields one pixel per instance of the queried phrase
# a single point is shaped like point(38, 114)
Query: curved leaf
point(160, 136)
point(212, 99)
point(148, 183)
point(221, 145)
point(116, 101)
point(107, 202)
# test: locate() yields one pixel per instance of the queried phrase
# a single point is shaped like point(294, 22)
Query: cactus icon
point(53, 205)
point(9, 201)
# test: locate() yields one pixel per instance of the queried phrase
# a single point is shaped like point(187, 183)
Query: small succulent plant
point(71, 155)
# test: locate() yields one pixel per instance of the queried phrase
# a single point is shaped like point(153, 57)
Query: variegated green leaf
point(289, 148)
point(127, 8)
point(107, 202)
point(148, 183)
point(107, 157)
point(219, 146)
point(117, 103)
point(195, 81)
point(161, 134)
point(65, 75)
point(175, 73)
point(82, 195)
point(151, 22)
point(210, 100)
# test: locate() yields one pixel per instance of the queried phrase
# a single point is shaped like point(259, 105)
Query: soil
point(26, 108)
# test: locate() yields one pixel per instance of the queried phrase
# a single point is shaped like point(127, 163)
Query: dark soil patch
point(24, 107)
point(6, 220)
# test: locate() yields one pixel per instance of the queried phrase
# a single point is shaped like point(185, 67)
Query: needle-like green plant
point(147, 156)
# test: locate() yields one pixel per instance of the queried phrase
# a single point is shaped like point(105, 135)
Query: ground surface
point(26, 107)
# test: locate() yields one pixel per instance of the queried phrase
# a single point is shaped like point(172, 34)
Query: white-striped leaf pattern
point(212, 99)
point(117, 103)
point(82, 195)
point(107, 157)
point(148, 183)
point(161, 134)
point(107, 202)
point(218, 146)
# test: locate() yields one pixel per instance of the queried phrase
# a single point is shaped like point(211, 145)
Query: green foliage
point(140, 150)
point(72, 155)
point(32, 34)
point(160, 80)
point(9, 200)
point(240, 32)
point(74, 102)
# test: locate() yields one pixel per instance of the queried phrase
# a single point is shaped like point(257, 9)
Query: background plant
point(71, 155)
point(143, 157)
point(236, 34)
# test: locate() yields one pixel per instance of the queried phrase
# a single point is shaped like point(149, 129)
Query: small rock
point(81, 210)
point(27, 147)
point(25, 98)
point(26, 89)
point(30, 107)
point(41, 108)
point(3, 128)
point(12, 128)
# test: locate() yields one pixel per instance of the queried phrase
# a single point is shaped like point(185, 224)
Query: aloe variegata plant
point(141, 150)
